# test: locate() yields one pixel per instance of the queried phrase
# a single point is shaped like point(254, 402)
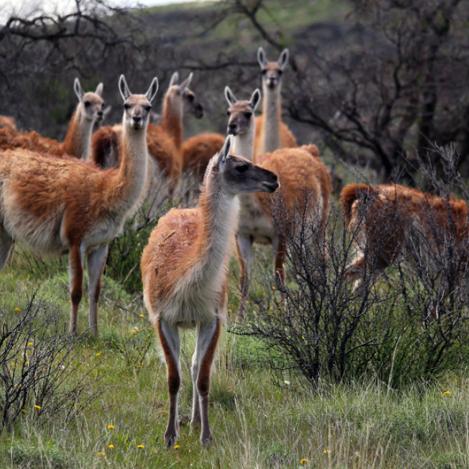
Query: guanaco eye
point(279, 72)
point(228, 113)
point(264, 71)
point(190, 98)
point(248, 114)
point(147, 108)
point(87, 103)
point(242, 168)
point(126, 106)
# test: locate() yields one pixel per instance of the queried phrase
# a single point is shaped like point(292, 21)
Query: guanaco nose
point(232, 128)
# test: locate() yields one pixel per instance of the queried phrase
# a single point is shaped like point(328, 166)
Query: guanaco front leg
point(76, 284)
point(96, 262)
point(169, 337)
point(207, 339)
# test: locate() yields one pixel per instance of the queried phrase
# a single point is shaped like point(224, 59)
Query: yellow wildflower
point(110, 446)
point(110, 426)
point(98, 354)
point(304, 461)
point(140, 446)
point(135, 330)
point(37, 407)
point(177, 446)
point(446, 393)
point(100, 454)
point(29, 344)
point(142, 315)
point(326, 451)
point(18, 310)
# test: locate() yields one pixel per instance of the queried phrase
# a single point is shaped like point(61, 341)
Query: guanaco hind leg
point(6, 245)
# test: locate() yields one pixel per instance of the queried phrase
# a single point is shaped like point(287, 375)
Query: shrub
point(408, 324)
point(36, 366)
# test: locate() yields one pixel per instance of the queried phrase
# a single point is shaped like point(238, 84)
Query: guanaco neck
point(243, 145)
point(272, 113)
point(77, 140)
point(219, 213)
point(131, 173)
point(172, 119)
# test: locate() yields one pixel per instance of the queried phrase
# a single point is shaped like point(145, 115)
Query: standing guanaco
point(305, 188)
point(60, 205)
point(77, 140)
point(184, 273)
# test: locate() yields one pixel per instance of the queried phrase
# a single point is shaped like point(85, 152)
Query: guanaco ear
point(99, 90)
point(261, 57)
point(185, 84)
point(174, 79)
point(229, 96)
point(255, 99)
point(283, 59)
point(106, 111)
point(151, 93)
point(78, 89)
point(225, 150)
point(124, 88)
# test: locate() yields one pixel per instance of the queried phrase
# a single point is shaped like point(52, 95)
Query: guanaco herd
point(75, 196)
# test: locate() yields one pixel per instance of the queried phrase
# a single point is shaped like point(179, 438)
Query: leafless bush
point(36, 367)
point(408, 324)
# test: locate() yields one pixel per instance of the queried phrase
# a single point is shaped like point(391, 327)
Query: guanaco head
point(180, 94)
point(272, 71)
point(240, 175)
point(137, 107)
point(241, 112)
point(104, 114)
point(91, 103)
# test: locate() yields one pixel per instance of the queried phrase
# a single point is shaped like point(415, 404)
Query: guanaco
point(60, 205)
point(77, 140)
point(271, 131)
point(305, 187)
point(382, 217)
point(184, 273)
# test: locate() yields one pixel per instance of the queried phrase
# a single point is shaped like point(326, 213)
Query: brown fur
point(350, 194)
point(44, 186)
point(163, 150)
point(199, 149)
point(33, 141)
point(175, 246)
point(382, 217)
point(104, 141)
point(302, 180)
point(8, 122)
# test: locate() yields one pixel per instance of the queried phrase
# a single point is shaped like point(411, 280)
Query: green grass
point(259, 419)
